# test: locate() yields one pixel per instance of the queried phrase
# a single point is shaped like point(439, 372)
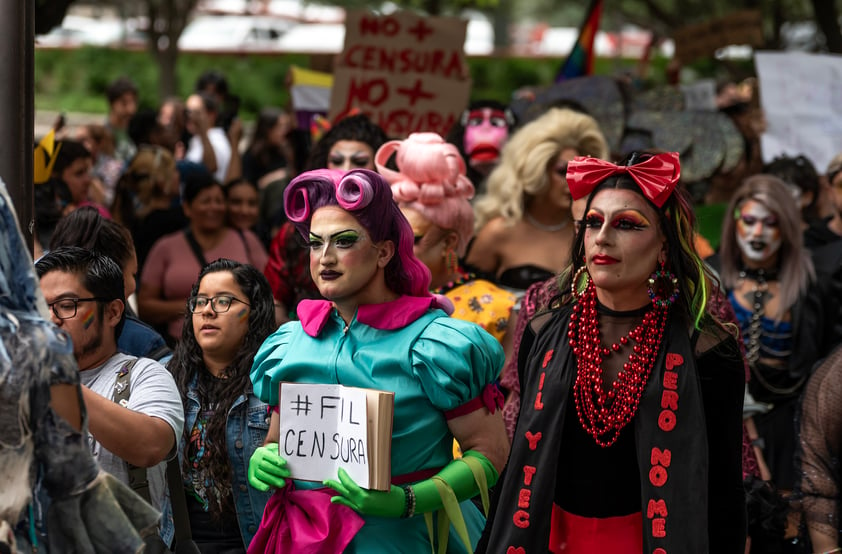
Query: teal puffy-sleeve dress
point(431, 362)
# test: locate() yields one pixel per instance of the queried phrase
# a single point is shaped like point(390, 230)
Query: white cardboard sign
point(323, 428)
point(801, 95)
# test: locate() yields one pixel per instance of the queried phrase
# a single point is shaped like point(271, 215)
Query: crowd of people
point(574, 368)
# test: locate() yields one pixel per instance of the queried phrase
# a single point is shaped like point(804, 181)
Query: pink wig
point(431, 180)
point(365, 195)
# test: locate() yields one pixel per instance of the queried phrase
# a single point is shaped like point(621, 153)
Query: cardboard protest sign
point(406, 72)
point(801, 96)
point(703, 39)
point(325, 427)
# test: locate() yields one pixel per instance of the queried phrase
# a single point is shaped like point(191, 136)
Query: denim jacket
point(248, 423)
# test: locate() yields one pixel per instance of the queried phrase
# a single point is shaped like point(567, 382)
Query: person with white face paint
point(784, 310)
point(758, 234)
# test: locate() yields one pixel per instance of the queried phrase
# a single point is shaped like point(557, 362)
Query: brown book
point(327, 427)
point(381, 412)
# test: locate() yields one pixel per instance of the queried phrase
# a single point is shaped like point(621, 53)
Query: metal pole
point(17, 107)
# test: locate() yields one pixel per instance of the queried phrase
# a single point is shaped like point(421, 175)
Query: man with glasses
point(85, 294)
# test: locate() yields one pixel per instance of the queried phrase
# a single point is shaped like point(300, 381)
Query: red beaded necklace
point(603, 414)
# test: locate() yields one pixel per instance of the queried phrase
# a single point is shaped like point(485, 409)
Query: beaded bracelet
point(409, 494)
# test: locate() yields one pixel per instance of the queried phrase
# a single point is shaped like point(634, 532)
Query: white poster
point(801, 96)
point(323, 428)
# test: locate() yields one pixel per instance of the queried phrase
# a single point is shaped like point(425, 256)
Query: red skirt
point(572, 534)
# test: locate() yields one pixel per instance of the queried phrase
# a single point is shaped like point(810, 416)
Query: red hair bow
point(656, 176)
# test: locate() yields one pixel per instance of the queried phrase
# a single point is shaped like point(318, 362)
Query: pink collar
point(386, 316)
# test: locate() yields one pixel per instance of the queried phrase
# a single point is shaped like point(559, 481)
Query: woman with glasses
point(175, 259)
point(524, 224)
point(229, 315)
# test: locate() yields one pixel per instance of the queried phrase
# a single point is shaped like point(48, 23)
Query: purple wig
point(368, 197)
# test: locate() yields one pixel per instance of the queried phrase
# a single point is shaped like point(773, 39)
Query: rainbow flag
point(580, 60)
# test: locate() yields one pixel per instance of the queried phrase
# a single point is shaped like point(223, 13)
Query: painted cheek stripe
point(88, 319)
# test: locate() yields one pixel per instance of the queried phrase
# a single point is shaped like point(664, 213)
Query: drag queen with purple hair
point(379, 327)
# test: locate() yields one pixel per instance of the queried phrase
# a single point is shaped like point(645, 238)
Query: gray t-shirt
point(154, 393)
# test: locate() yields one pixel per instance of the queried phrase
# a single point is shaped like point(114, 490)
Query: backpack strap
point(122, 391)
point(245, 244)
point(194, 246)
point(122, 386)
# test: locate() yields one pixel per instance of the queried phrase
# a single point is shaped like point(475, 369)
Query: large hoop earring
point(575, 288)
point(667, 279)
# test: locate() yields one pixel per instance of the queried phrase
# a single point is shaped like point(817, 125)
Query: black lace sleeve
point(819, 444)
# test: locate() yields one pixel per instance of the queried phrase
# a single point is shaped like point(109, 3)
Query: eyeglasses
point(219, 304)
point(66, 307)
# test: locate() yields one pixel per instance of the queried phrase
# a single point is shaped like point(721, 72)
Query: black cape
point(682, 509)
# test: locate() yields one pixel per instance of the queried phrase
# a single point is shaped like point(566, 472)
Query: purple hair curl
point(354, 192)
point(367, 196)
point(297, 205)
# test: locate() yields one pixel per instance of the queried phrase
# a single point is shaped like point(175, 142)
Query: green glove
point(366, 502)
point(461, 478)
point(267, 469)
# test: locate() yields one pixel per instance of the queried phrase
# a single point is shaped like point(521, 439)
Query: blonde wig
point(795, 266)
point(527, 157)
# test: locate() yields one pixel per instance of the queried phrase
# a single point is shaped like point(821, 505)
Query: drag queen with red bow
point(630, 430)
